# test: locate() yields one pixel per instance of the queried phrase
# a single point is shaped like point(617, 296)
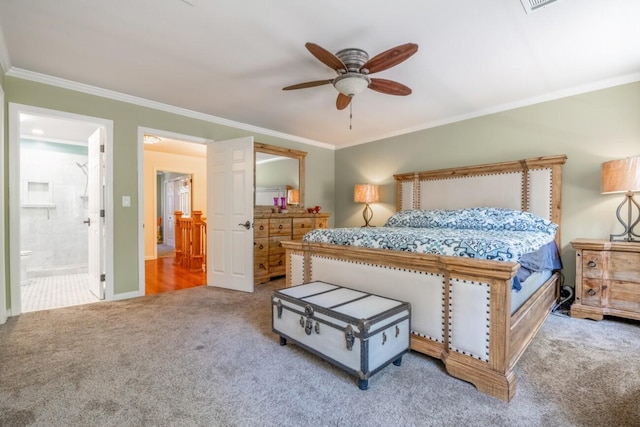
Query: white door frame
point(141, 206)
point(3, 283)
point(14, 195)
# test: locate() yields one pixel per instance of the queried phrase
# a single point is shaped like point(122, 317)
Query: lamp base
point(628, 235)
point(367, 214)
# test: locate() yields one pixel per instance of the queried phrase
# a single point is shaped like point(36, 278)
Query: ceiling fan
point(354, 67)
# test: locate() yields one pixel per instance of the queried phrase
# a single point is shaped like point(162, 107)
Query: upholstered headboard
point(533, 185)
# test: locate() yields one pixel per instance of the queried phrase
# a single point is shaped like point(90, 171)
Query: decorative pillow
point(472, 219)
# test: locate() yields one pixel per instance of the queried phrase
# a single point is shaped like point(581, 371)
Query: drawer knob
point(591, 264)
point(262, 227)
point(261, 246)
point(591, 292)
point(280, 226)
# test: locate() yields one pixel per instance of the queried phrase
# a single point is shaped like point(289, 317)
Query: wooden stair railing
point(191, 241)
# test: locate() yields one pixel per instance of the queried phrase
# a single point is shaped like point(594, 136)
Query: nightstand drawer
point(624, 296)
point(592, 264)
point(592, 292)
point(624, 266)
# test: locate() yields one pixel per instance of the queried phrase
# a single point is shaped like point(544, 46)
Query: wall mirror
point(278, 170)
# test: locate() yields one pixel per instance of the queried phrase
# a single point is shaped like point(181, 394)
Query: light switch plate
point(126, 201)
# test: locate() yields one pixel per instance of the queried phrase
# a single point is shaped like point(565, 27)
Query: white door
point(169, 218)
point(96, 221)
point(230, 214)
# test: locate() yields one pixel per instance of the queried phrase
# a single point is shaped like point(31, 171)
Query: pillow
point(472, 219)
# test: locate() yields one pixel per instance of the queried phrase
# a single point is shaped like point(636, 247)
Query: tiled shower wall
point(53, 196)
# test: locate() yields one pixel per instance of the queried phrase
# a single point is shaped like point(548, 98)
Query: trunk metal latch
point(349, 337)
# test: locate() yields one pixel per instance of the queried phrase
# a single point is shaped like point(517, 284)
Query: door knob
point(87, 221)
point(246, 225)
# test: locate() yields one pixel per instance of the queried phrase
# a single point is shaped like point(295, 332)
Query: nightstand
point(607, 279)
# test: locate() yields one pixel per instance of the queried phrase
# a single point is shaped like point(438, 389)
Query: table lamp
point(623, 176)
point(366, 193)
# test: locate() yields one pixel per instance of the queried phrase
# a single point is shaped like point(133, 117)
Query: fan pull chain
point(350, 113)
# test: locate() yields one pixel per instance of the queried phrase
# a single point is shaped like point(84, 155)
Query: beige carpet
point(207, 357)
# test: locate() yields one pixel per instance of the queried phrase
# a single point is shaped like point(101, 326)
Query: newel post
point(178, 238)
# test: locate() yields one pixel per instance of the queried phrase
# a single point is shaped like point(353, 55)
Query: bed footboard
point(460, 307)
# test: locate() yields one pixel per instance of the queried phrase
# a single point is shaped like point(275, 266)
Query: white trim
point(14, 195)
point(127, 295)
point(162, 134)
point(104, 93)
point(3, 269)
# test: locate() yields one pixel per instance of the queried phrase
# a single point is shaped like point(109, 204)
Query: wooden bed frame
point(461, 307)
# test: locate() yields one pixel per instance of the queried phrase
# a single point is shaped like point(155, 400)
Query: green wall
point(590, 128)
point(127, 117)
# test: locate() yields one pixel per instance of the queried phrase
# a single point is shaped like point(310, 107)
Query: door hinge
point(102, 213)
point(102, 148)
point(103, 277)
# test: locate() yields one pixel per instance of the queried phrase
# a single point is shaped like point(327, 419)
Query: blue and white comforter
point(483, 233)
point(498, 245)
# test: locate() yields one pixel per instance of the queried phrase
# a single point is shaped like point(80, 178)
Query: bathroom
point(53, 234)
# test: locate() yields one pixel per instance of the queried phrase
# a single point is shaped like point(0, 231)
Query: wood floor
point(162, 276)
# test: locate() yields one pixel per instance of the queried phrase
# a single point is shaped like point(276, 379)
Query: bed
point(465, 310)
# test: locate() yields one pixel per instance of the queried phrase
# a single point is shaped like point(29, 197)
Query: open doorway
point(174, 194)
point(173, 179)
point(57, 186)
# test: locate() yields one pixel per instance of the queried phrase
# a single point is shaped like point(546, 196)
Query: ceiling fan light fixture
point(151, 139)
point(351, 84)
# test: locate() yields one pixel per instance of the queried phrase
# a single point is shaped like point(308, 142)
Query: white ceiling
point(230, 59)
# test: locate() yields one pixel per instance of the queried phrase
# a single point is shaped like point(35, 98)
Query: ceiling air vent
point(533, 5)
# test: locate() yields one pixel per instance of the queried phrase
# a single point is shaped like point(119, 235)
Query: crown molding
point(118, 96)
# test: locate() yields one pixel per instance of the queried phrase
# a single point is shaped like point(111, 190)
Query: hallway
point(162, 276)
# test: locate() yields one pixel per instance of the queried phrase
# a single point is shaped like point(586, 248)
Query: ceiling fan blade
point(308, 84)
point(390, 58)
point(326, 57)
point(389, 87)
point(343, 101)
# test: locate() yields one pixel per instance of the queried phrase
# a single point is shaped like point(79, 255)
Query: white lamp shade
point(621, 176)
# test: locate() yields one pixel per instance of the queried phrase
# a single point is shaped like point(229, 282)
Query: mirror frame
point(284, 152)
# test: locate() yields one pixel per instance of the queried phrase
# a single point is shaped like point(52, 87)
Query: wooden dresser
point(607, 279)
point(269, 230)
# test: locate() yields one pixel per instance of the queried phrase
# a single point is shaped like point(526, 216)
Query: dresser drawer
point(592, 264)
point(277, 264)
point(275, 245)
point(301, 226)
point(261, 266)
point(280, 227)
point(322, 223)
point(260, 247)
point(260, 228)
